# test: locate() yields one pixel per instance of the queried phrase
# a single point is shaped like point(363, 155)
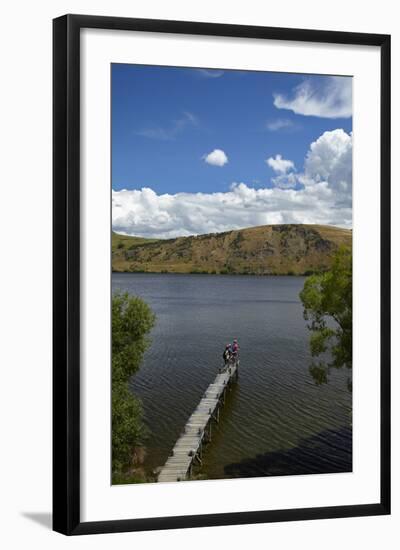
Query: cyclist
point(235, 350)
point(227, 354)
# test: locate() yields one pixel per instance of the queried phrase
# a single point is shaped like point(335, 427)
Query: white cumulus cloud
point(279, 164)
point(286, 181)
point(330, 159)
point(279, 124)
point(216, 158)
point(322, 195)
point(330, 97)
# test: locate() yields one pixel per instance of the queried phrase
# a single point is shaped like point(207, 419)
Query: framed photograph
point(221, 274)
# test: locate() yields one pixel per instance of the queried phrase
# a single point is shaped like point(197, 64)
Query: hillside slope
point(263, 250)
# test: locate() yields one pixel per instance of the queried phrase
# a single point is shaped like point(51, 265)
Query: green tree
point(327, 301)
point(132, 320)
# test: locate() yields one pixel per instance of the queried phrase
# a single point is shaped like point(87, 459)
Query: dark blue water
point(276, 420)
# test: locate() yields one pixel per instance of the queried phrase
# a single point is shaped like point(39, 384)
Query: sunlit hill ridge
point(288, 249)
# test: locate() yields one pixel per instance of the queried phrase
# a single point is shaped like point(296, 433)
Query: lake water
point(276, 421)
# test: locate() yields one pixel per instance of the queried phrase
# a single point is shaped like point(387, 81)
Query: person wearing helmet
point(227, 354)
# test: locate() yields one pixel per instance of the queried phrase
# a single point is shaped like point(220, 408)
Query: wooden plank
point(196, 428)
point(180, 473)
point(187, 448)
point(183, 446)
point(177, 472)
point(196, 424)
point(175, 469)
point(178, 462)
point(208, 400)
point(199, 424)
point(181, 466)
point(183, 460)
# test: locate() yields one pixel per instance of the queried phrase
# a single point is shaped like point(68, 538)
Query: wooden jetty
point(188, 449)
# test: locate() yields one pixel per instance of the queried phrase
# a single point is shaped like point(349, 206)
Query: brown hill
point(264, 250)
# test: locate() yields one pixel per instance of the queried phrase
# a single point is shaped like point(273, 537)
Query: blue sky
point(167, 121)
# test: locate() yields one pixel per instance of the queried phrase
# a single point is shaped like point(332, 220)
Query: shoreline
point(306, 274)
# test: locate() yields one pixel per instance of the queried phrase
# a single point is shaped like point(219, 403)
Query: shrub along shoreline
point(132, 320)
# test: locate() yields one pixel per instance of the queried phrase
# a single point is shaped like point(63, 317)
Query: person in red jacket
point(235, 349)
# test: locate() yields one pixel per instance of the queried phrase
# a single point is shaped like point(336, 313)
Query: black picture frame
point(66, 273)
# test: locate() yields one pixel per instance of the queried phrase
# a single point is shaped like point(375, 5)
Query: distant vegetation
point(125, 242)
point(132, 320)
point(264, 250)
point(327, 301)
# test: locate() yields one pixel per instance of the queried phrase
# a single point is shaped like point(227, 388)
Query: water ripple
point(275, 420)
